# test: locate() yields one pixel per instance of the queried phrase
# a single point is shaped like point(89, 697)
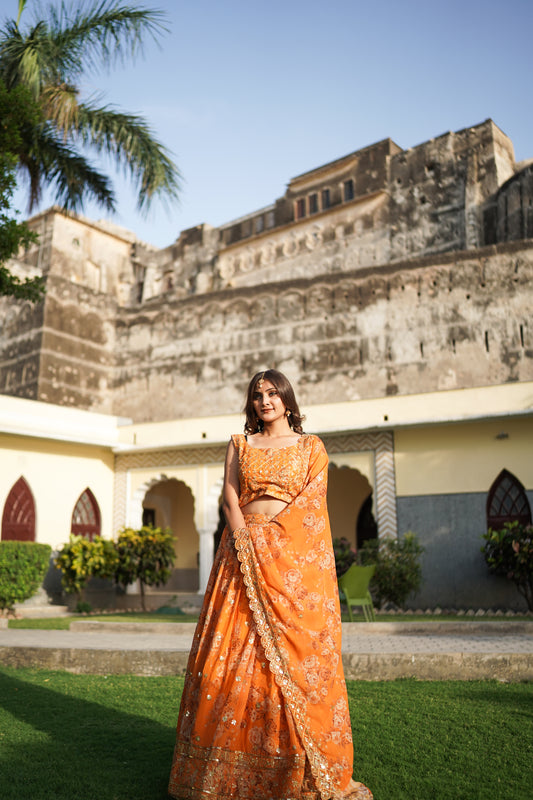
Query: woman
point(264, 713)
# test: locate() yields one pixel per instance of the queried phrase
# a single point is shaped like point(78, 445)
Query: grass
point(444, 741)
point(45, 624)
point(80, 737)
point(63, 623)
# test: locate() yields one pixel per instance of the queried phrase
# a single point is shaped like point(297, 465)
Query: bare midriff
point(270, 506)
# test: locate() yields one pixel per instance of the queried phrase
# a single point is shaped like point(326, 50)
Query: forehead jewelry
point(261, 380)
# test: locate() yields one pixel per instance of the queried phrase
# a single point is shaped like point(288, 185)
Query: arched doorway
point(18, 519)
point(349, 492)
point(169, 503)
point(367, 527)
point(220, 528)
point(507, 501)
point(86, 516)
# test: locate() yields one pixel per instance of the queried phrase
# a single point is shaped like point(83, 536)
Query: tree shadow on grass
point(71, 749)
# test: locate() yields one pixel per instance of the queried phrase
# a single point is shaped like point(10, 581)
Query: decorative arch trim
point(507, 501)
point(135, 511)
point(18, 518)
point(174, 457)
point(382, 444)
point(86, 518)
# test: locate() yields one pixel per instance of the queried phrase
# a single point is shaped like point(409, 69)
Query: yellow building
point(426, 463)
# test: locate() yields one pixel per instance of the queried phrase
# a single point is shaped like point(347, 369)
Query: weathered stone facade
point(384, 272)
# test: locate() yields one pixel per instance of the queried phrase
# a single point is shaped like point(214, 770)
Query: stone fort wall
point(384, 272)
point(430, 324)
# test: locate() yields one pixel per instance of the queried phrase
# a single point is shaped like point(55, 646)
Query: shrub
point(23, 566)
point(344, 555)
point(83, 607)
point(509, 552)
point(398, 571)
point(81, 559)
point(146, 555)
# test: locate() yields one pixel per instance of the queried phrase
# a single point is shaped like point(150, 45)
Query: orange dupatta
point(264, 712)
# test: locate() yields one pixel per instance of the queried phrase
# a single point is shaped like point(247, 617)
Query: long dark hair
point(286, 393)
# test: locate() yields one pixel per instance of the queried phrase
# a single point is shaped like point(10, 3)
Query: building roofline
point(338, 161)
point(38, 420)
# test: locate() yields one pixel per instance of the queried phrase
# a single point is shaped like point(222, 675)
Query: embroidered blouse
point(277, 472)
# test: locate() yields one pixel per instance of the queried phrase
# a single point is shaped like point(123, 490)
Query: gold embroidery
point(325, 777)
point(278, 472)
point(207, 772)
point(267, 652)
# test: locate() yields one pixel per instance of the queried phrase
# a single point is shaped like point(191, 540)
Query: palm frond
point(30, 168)
point(22, 4)
point(72, 41)
point(106, 31)
point(76, 181)
point(130, 140)
point(60, 106)
point(48, 58)
point(47, 159)
point(27, 60)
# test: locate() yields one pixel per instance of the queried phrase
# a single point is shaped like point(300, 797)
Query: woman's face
point(268, 405)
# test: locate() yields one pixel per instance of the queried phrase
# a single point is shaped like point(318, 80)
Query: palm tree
point(49, 57)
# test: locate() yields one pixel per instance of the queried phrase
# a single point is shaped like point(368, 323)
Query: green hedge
point(146, 555)
point(23, 566)
point(509, 552)
point(81, 559)
point(398, 571)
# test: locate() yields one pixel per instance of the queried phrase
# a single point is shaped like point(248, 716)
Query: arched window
point(18, 519)
point(507, 501)
point(86, 516)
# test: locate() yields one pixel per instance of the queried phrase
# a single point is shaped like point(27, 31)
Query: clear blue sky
point(248, 94)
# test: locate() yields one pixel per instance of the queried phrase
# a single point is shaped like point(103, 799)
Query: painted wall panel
point(449, 527)
point(57, 474)
point(462, 458)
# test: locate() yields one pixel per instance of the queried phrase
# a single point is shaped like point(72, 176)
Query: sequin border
point(319, 765)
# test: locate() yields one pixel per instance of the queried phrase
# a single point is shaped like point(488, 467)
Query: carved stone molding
point(382, 444)
point(174, 457)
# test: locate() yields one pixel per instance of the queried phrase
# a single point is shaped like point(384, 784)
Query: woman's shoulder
point(238, 440)
point(311, 440)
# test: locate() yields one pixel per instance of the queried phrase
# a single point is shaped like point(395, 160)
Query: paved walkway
point(378, 651)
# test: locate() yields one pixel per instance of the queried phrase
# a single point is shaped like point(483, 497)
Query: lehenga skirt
point(235, 737)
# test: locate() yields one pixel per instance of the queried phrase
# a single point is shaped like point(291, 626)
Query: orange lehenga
point(264, 713)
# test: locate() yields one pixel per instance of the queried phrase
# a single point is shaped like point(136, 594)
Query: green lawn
point(80, 737)
point(63, 623)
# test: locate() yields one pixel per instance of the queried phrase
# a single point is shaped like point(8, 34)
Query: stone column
point(385, 491)
point(207, 552)
point(134, 515)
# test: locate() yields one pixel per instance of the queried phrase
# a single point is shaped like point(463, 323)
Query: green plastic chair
point(354, 584)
